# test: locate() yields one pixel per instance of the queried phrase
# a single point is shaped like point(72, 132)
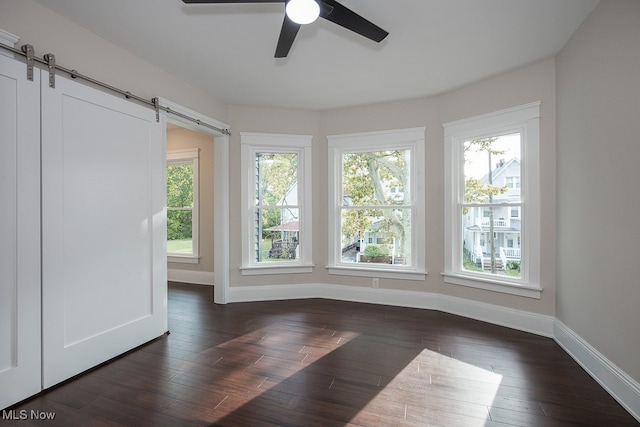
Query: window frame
point(526, 120)
point(185, 157)
point(252, 143)
point(409, 138)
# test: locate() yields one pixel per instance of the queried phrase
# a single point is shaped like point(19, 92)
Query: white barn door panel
point(103, 221)
point(19, 233)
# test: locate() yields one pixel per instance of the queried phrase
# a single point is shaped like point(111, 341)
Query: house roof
point(434, 46)
point(500, 169)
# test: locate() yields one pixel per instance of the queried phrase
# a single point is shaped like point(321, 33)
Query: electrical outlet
point(375, 283)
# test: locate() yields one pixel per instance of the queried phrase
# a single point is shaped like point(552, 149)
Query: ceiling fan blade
point(350, 20)
point(231, 1)
point(287, 36)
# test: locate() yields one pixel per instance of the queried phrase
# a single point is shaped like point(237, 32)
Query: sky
point(477, 162)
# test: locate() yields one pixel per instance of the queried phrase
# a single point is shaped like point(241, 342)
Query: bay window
point(492, 203)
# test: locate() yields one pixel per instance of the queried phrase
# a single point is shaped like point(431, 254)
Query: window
point(376, 216)
point(492, 201)
point(182, 205)
point(277, 190)
point(513, 182)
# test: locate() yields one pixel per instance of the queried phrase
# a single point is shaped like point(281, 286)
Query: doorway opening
point(197, 200)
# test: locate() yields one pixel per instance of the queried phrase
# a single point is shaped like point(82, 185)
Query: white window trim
point(252, 143)
point(182, 157)
point(411, 138)
point(525, 119)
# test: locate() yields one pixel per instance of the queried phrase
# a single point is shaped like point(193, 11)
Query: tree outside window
point(492, 201)
point(179, 208)
point(376, 218)
point(182, 203)
point(376, 207)
point(491, 165)
point(277, 213)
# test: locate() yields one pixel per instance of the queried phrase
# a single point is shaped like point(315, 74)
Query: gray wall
point(533, 83)
point(595, 79)
point(77, 48)
point(598, 98)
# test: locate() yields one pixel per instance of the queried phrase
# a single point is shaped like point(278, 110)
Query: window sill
point(384, 273)
point(276, 269)
point(183, 259)
point(493, 285)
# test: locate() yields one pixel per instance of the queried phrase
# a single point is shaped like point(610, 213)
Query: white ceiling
point(433, 46)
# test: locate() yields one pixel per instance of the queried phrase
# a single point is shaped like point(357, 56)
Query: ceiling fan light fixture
point(302, 11)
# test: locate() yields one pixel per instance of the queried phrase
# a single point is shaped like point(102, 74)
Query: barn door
point(19, 233)
point(103, 221)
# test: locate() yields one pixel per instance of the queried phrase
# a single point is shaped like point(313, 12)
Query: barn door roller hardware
point(28, 53)
point(49, 61)
point(51, 64)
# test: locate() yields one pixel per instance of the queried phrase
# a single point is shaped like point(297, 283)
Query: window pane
point(277, 234)
point(180, 186)
point(376, 178)
point(277, 230)
point(179, 231)
point(277, 177)
point(492, 169)
point(491, 241)
point(380, 236)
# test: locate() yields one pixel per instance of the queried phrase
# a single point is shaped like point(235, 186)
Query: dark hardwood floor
point(330, 363)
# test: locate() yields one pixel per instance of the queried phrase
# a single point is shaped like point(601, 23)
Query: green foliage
point(278, 175)
point(366, 174)
point(356, 222)
point(477, 192)
point(270, 218)
point(482, 144)
point(474, 190)
point(471, 266)
point(179, 195)
point(367, 178)
point(513, 266)
point(179, 225)
point(372, 251)
point(180, 186)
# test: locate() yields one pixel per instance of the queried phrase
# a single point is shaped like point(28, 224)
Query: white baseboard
point(525, 321)
point(410, 299)
point(189, 276)
point(621, 386)
point(271, 292)
point(516, 319)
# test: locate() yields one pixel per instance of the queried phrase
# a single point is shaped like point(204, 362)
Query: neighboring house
point(506, 220)
point(373, 235)
point(288, 231)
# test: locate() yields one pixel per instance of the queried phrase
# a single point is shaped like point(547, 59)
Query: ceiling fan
point(301, 12)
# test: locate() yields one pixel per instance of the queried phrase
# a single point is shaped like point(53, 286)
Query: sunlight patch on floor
point(408, 396)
